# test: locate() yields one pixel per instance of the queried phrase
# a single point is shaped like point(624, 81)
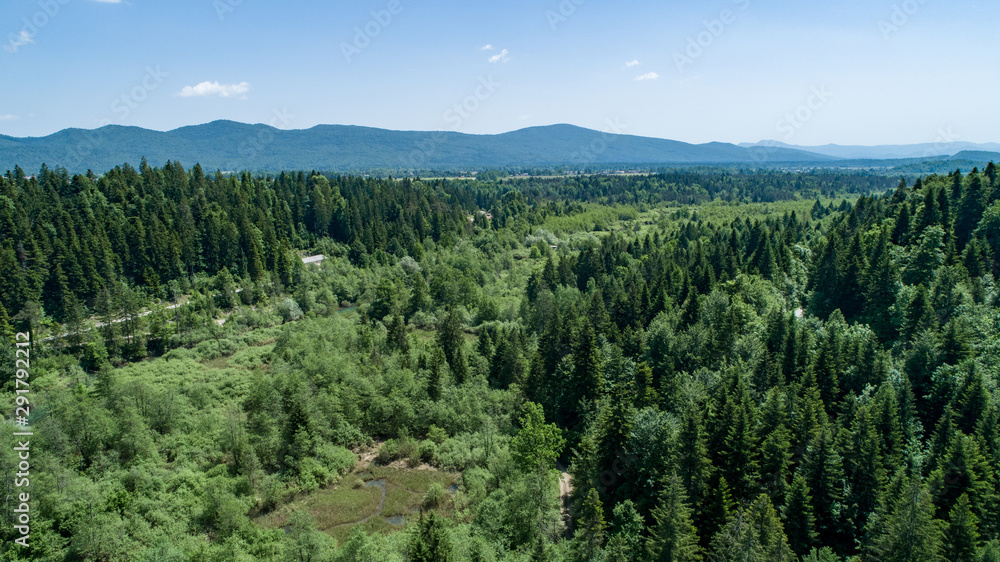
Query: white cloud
point(18, 41)
point(647, 76)
point(632, 63)
point(499, 57)
point(487, 47)
point(8, 117)
point(216, 89)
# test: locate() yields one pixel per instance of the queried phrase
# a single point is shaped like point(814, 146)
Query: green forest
point(707, 364)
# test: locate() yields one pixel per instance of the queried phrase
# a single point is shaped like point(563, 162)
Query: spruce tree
point(430, 542)
point(910, 533)
point(962, 534)
point(588, 538)
point(797, 514)
point(754, 533)
point(674, 537)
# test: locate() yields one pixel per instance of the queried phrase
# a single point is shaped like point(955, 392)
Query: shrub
point(435, 496)
point(428, 451)
point(289, 310)
point(395, 449)
point(436, 434)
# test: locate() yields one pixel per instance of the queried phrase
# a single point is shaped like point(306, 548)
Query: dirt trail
point(565, 489)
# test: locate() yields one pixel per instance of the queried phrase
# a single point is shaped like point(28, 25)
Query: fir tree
point(430, 542)
point(797, 514)
point(962, 534)
point(754, 533)
point(909, 533)
point(588, 537)
point(674, 537)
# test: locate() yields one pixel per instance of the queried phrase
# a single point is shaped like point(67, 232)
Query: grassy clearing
point(338, 509)
point(331, 508)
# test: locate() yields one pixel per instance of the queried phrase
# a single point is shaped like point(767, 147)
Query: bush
point(395, 449)
point(409, 265)
point(289, 310)
point(338, 460)
point(436, 434)
point(435, 496)
point(428, 451)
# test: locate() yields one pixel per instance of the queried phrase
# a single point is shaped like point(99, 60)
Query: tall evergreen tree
point(797, 514)
point(674, 537)
point(430, 541)
point(754, 533)
point(910, 533)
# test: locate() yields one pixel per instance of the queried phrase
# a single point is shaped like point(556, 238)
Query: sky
point(798, 71)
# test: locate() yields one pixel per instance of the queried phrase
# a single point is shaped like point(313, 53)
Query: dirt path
point(565, 489)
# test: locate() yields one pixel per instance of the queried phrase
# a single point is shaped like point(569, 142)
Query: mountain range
point(232, 146)
point(886, 151)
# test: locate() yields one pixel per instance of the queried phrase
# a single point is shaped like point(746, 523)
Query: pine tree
point(625, 541)
point(451, 342)
point(693, 465)
point(776, 459)
point(919, 315)
point(738, 455)
point(824, 474)
point(797, 514)
point(674, 537)
point(929, 256)
point(970, 210)
point(590, 527)
point(435, 380)
point(955, 346)
point(754, 533)
point(881, 286)
point(909, 533)
point(587, 370)
point(962, 534)
point(863, 469)
point(900, 231)
point(430, 542)
point(419, 299)
point(962, 470)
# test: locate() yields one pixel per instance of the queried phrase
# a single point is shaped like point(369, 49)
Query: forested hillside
point(228, 145)
point(731, 366)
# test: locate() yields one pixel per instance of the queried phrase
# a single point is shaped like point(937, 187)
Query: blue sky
point(802, 72)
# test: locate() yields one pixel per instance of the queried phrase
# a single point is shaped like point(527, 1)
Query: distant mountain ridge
point(885, 152)
point(231, 146)
point(228, 145)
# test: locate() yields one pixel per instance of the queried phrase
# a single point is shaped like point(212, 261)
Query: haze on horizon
point(852, 72)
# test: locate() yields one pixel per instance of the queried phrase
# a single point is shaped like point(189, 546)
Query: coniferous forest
point(704, 364)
